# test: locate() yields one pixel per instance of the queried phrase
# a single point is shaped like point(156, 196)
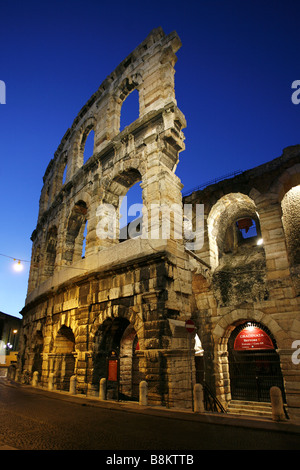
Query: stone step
point(250, 408)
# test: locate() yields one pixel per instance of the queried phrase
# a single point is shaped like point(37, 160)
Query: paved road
point(36, 420)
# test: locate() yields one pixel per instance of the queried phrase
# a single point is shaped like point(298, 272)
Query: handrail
point(211, 402)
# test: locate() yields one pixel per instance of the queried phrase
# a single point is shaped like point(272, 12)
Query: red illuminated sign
point(252, 337)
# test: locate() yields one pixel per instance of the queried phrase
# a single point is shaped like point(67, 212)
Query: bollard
point(102, 390)
point(73, 381)
point(51, 381)
point(198, 399)
point(35, 379)
point(143, 399)
point(277, 404)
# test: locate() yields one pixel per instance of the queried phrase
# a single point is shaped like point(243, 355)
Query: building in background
point(10, 328)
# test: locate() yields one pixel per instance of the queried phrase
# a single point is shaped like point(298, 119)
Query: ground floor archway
point(62, 359)
point(117, 335)
point(254, 364)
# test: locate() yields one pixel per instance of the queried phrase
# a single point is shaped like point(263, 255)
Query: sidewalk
point(290, 425)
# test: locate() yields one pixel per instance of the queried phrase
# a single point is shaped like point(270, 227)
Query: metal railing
point(211, 403)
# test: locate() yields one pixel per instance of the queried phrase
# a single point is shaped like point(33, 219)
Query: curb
point(188, 415)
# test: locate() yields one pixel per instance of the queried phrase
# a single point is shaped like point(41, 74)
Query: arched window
point(244, 231)
point(129, 110)
point(247, 228)
point(51, 243)
point(237, 255)
point(131, 213)
point(64, 178)
point(75, 232)
point(84, 240)
point(88, 145)
point(233, 223)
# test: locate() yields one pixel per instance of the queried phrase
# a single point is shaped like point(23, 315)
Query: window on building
point(64, 178)
point(88, 143)
point(84, 240)
point(50, 251)
point(129, 110)
point(131, 213)
point(246, 228)
point(244, 231)
point(75, 232)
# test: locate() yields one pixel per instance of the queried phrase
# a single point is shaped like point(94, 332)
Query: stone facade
point(134, 297)
point(255, 279)
point(79, 308)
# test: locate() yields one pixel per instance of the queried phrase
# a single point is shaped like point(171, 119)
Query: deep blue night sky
point(233, 83)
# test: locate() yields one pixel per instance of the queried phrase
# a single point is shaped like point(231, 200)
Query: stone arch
point(64, 340)
point(45, 198)
point(221, 335)
point(50, 252)
point(61, 171)
point(62, 359)
point(79, 141)
point(127, 86)
point(228, 322)
point(290, 206)
point(287, 180)
point(35, 266)
point(38, 345)
point(117, 187)
point(119, 335)
point(226, 211)
point(65, 321)
point(129, 363)
point(75, 231)
point(132, 315)
point(119, 184)
point(286, 192)
point(130, 111)
point(287, 189)
point(107, 332)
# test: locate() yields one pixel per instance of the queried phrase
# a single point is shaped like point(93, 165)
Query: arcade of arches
point(97, 308)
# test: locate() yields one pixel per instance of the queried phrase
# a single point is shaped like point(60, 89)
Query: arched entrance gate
point(254, 363)
point(117, 336)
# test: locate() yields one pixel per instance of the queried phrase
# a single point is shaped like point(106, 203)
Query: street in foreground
point(34, 419)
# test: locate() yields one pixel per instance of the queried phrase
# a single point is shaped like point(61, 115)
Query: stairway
point(250, 408)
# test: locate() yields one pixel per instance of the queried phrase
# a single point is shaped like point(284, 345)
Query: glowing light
point(250, 327)
point(260, 241)
point(18, 266)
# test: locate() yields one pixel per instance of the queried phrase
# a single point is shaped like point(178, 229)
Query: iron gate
point(253, 368)
point(252, 374)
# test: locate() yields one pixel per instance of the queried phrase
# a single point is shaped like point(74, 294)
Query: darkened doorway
point(117, 334)
point(254, 364)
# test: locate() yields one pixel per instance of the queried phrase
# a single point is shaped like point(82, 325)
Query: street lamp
point(17, 265)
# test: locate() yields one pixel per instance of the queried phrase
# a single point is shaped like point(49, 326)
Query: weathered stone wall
point(142, 292)
point(249, 281)
point(82, 307)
